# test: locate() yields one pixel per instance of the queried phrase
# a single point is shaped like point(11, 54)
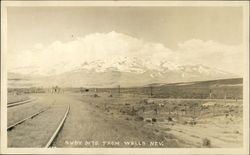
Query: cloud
point(210, 53)
point(38, 46)
point(106, 45)
point(91, 47)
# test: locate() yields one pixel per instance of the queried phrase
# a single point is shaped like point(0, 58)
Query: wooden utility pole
point(225, 95)
point(213, 110)
point(156, 109)
point(177, 112)
point(151, 91)
point(225, 98)
point(185, 109)
point(119, 91)
point(210, 94)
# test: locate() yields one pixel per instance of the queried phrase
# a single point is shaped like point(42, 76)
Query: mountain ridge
point(124, 71)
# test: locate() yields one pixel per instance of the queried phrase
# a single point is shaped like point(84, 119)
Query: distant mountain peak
point(124, 71)
point(123, 64)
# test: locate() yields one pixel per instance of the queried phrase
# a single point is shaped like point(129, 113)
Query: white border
point(5, 150)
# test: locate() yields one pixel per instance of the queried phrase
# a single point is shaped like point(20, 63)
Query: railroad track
point(55, 133)
point(19, 103)
point(53, 137)
point(29, 117)
point(23, 120)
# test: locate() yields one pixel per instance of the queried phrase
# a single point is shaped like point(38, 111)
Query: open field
point(131, 117)
point(214, 89)
point(99, 120)
point(192, 121)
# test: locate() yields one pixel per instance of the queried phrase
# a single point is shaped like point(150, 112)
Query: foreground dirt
point(220, 135)
point(88, 126)
point(106, 122)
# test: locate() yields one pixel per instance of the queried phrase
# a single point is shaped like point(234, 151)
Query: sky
point(187, 35)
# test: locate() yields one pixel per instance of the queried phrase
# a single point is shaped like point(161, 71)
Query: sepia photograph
point(124, 75)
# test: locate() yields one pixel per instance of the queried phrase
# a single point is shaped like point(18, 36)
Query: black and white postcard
point(125, 77)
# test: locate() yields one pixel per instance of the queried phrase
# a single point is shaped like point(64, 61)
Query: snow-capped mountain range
point(112, 58)
point(124, 71)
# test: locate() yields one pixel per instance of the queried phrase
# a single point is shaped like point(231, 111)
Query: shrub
point(95, 95)
point(172, 143)
point(148, 120)
point(154, 119)
point(206, 142)
point(167, 129)
point(139, 118)
point(236, 132)
point(193, 122)
point(170, 119)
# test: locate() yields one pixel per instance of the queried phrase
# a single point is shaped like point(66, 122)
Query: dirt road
point(88, 126)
